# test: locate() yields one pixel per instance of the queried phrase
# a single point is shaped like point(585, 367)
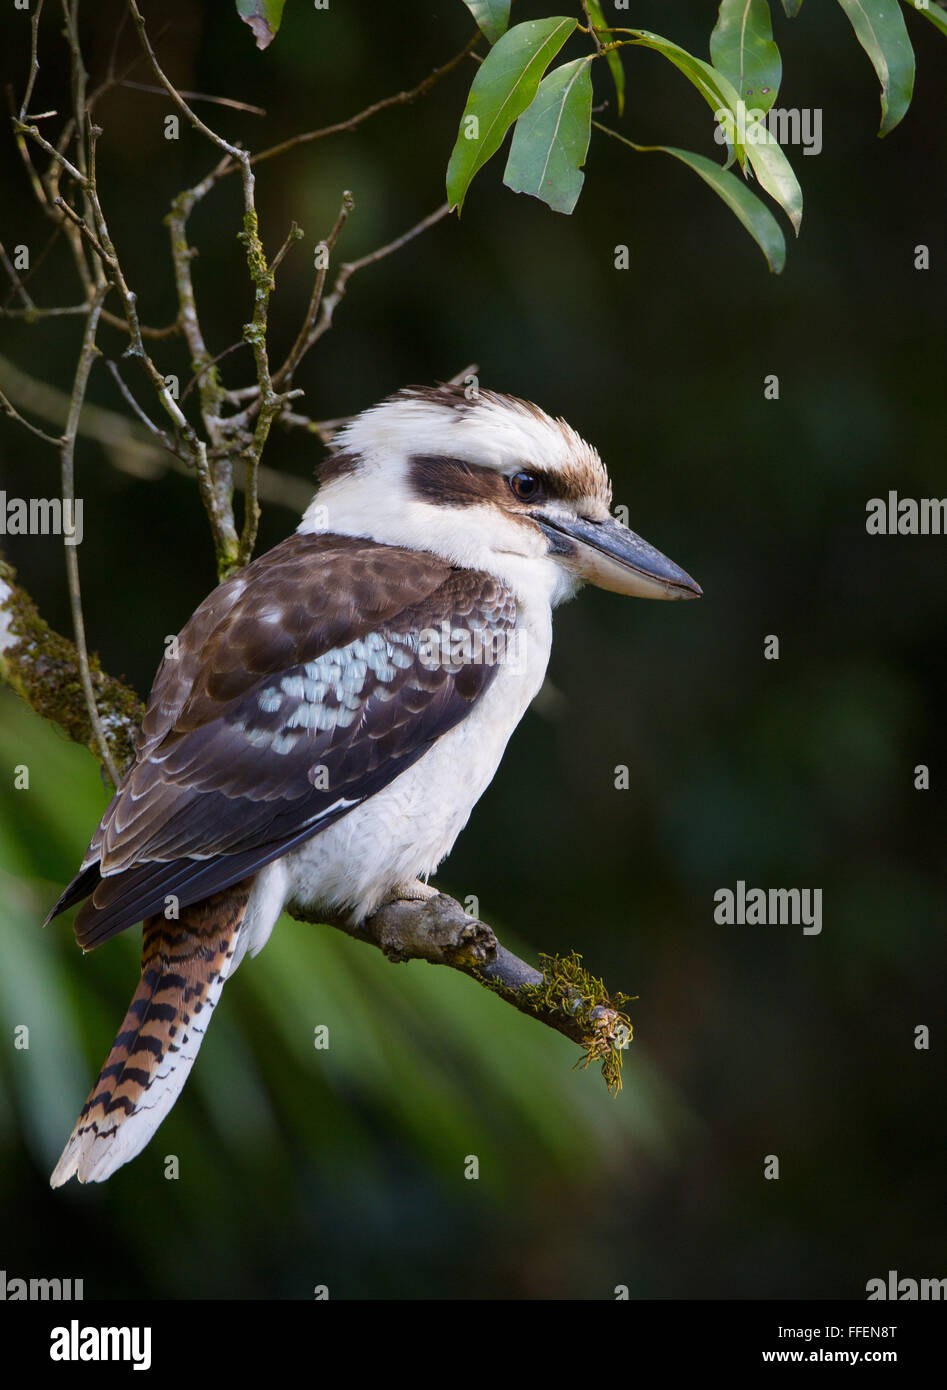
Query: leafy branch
point(551, 111)
point(224, 446)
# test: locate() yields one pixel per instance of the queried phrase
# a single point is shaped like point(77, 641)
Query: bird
point(323, 725)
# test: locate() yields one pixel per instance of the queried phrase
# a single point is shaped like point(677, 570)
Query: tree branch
point(330, 302)
point(563, 996)
point(353, 122)
point(128, 447)
point(43, 668)
point(87, 355)
point(303, 342)
point(34, 59)
point(192, 96)
point(10, 410)
point(28, 306)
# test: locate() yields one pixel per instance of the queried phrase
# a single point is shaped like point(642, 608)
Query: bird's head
point(492, 483)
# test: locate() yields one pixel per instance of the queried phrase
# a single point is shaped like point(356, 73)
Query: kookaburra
point(328, 718)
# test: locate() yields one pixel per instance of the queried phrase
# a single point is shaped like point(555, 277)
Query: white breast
point(405, 830)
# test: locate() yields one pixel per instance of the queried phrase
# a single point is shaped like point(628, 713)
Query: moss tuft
point(568, 990)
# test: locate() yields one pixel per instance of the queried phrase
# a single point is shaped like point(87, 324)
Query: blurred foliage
point(345, 1166)
point(421, 1062)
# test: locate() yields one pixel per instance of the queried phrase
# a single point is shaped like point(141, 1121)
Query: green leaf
point(792, 8)
point(755, 216)
point(613, 57)
point(741, 47)
point(264, 18)
point(716, 89)
point(879, 28)
point(934, 13)
point(766, 159)
point(492, 17)
point(504, 86)
point(551, 138)
point(774, 172)
point(746, 207)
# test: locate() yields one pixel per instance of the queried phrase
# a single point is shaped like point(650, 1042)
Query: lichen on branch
point(43, 668)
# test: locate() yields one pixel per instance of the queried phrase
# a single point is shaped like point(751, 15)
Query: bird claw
point(412, 891)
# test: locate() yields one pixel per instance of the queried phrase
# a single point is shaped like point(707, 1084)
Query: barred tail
point(184, 965)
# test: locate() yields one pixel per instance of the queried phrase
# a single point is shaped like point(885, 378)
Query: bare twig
point(353, 122)
point(34, 314)
point(22, 128)
point(331, 301)
point(17, 120)
point(181, 256)
point(10, 410)
point(28, 306)
point(162, 437)
point(191, 96)
point(79, 80)
point(85, 231)
point(270, 401)
point(168, 331)
point(35, 263)
point(209, 366)
point(302, 344)
point(592, 30)
point(176, 96)
point(34, 60)
point(87, 356)
point(322, 429)
point(294, 234)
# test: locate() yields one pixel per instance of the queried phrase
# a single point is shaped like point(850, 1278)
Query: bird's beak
point(607, 554)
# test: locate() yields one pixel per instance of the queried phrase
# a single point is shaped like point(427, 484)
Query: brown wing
point(302, 687)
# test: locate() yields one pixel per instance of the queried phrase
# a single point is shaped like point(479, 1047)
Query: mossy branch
point(563, 994)
point(43, 668)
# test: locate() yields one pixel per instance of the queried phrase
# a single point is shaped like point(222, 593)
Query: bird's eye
point(525, 486)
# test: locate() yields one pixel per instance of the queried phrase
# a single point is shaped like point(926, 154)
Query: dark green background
point(346, 1167)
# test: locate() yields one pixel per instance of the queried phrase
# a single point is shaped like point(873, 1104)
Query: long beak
point(607, 554)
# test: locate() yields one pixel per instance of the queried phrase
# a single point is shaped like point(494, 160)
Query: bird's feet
point(412, 891)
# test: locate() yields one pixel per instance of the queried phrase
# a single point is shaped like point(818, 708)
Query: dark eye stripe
point(450, 482)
